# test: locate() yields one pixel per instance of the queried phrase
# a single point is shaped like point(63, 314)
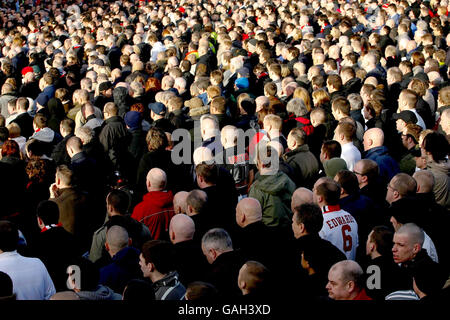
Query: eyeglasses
point(389, 186)
point(358, 173)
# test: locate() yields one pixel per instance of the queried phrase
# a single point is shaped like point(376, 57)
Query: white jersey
point(341, 229)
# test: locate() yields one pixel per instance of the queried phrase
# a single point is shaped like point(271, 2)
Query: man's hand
point(54, 191)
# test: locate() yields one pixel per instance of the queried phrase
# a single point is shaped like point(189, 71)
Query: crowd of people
point(315, 143)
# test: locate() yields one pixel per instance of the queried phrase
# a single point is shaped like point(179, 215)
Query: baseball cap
point(253, 42)
point(158, 108)
point(406, 115)
point(243, 72)
point(333, 166)
point(99, 62)
point(104, 86)
point(132, 119)
point(26, 70)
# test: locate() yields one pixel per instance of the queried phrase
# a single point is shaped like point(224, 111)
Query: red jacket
point(155, 211)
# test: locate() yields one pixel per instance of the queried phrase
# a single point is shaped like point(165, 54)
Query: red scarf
point(51, 226)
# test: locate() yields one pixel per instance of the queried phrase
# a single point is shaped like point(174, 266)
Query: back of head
point(9, 236)
point(117, 238)
point(311, 216)
point(251, 208)
point(437, 145)
point(330, 191)
point(332, 148)
point(209, 172)
point(217, 239)
point(348, 181)
point(48, 211)
point(382, 236)
point(425, 181)
point(183, 227)
point(197, 200)
point(160, 254)
point(65, 175)
point(404, 184)
point(255, 276)
point(157, 179)
point(138, 290)
point(118, 200)
point(376, 135)
point(201, 292)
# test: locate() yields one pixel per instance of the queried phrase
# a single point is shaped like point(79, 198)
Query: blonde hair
point(274, 121)
point(303, 94)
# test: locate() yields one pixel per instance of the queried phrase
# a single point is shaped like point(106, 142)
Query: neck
point(156, 276)
point(374, 255)
point(363, 184)
point(151, 189)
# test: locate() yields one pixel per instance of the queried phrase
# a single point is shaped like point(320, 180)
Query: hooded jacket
point(274, 193)
point(169, 288)
point(387, 165)
point(441, 172)
point(101, 293)
point(155, 211)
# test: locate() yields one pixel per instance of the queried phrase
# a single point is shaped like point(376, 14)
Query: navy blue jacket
point(387, 165)
point(124, 267)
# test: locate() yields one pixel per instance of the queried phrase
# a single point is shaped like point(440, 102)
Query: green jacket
point(274, 192)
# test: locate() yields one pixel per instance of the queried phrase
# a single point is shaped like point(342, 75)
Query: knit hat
point(242, 83)
point(333, 166)
point(26, 70)
point(405, 115)
point(133, 119)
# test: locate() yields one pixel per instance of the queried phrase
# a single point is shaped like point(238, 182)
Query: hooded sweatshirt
point(44, 135)
point(169, 288)
point(274, 192)
point(155, 211)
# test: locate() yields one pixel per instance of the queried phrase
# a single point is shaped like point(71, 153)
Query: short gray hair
point(297, 106)
point(355, 101)
point(217, 239)
point(414, 232)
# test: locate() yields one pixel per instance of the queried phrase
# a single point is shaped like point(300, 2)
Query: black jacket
point(305, 165)
point(59, 154)
point(189, 261)
point(25, 122)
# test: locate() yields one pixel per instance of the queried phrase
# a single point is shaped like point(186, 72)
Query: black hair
point(9, 236)
point(311, 216)
point(138, 290)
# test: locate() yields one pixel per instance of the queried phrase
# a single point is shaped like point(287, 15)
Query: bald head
point(156, 180)
point(116, 239)
point(248, 211)
point(203, 154)
point(424, 180)
point(301, 196)
point(229, 136)
point(179, 202)
point(261, 102)
point(181, 228)
point(348, 270)
point(373, 138)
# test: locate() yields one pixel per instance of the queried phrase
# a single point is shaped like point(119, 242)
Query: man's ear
point(242, 284)
point(172, 235)
point(350, 286)
point(107, 246)
point(130, 242)
point(302, 228)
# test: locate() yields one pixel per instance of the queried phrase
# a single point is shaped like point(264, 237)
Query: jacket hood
point(442, 167)
point(378, 151)
point(102, 293)
point(169, 280)
point(273, 184)
point(44, 135)
point(162, 199)
point(199, 111)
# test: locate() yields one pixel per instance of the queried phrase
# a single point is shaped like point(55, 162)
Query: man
point(317, 255)
point(75, 214)
point(156, 208)
point(155, 262)
point(339, 226)
point(436, 218)
point(30, 278)
point(435, 149)
point(117, 203)
point(408, 101)
point(379, 250)
point(410, 138)
point(374, 150)
point(368, 179)
point(272, 188)
point(125, 260)
point(114, 138)
point(304, 163)
point(210, 132)
point(59, 154)
point(196, 208)
point(404, 207)
point(224, 262)
point(188, 258)
point(344, 134)
point(221, 202)
point(260, 242)
point(301, 196)
point(23, 119)
point(54, 246)
point(273, 125)
point(346, 281)
point(158, 115)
